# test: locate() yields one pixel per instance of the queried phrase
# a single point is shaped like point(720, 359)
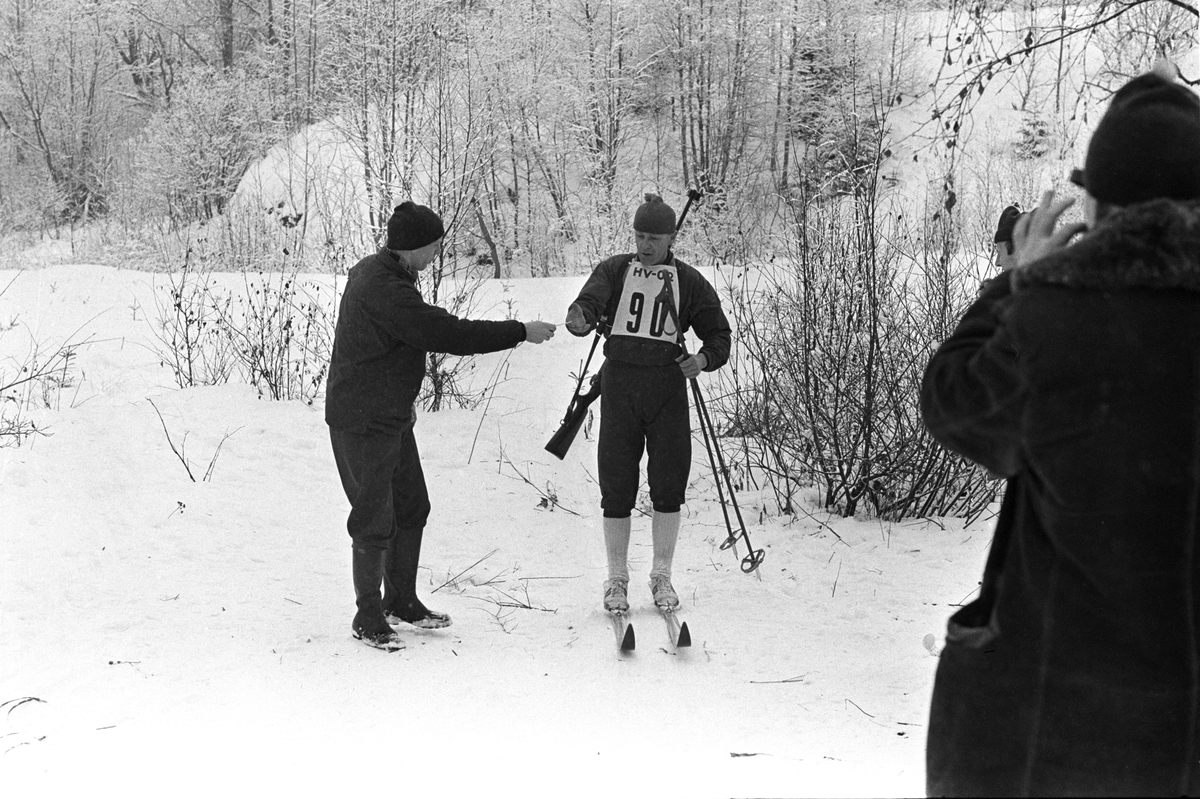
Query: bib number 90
point(658, 315)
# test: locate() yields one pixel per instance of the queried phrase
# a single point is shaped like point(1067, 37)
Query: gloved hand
point(692, 365)
point(537, 332)
point(576, 324)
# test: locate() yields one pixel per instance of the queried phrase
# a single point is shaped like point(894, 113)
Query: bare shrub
point(445, 374)
point(32, 380)
point(267, 324)
point(281, 331)
point(190, 340)
point(831, 346)
point(239, 306)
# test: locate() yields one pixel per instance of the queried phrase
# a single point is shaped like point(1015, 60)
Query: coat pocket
point(974, 626)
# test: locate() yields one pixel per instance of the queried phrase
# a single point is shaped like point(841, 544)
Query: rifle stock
point(564, 436)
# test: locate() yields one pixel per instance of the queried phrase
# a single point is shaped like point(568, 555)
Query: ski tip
point(685, 636)
point(628, 643)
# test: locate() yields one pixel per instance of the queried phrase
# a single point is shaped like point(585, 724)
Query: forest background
point(853, 157)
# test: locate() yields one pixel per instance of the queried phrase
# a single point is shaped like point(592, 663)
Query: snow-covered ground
point(193, 638)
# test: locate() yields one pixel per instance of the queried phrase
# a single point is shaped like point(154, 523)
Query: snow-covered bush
point(1033, 139)
point(197, 148)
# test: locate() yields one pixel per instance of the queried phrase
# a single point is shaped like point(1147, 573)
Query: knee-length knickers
point(382, 476)
point(643, 409)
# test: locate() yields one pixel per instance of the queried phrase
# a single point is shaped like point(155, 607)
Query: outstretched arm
point(588, 308)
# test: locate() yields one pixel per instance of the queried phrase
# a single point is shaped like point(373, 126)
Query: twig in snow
point(464, 571)
point(501, 617)
point(213, 462)
point(488, 404)
point(177, 450)
point(860, 710)
point(968, 596)
point(797, 678)
point(820, 523)
point(2, 292)
point(510, 601)
point(835, 579)
point(181, 450)
point(13, 704)
point(549, 495)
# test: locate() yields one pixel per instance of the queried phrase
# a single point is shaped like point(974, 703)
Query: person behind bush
point(384, 331)
point(644, 399)
point(1077, 670)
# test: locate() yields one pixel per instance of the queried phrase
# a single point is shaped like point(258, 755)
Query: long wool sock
point(616, 544)
point(664, 530)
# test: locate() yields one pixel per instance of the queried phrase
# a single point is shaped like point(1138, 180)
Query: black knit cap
point(413, 226)
point(1008, 221)
point(654, 216)
point(1147, 144)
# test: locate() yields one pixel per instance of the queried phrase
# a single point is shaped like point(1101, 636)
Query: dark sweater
point(698, 304)
point(384, 330)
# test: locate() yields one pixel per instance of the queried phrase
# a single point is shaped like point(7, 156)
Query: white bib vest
point(642, 312)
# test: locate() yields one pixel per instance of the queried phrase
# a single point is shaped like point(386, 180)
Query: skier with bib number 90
point(644, 399)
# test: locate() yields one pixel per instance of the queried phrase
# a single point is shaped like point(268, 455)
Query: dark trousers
point(389, 504)
point(643, 409)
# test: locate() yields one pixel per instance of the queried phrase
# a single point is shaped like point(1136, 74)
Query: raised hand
point(1034, 236)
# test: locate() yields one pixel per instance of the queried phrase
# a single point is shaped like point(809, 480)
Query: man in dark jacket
point(384, 331)
point(644, 400)
point(1077, 671)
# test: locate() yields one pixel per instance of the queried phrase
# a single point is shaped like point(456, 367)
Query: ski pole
point(754, 558)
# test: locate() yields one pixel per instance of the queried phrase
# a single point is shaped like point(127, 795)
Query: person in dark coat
point(384, 331)
point(1077, 670)
point(644, 395)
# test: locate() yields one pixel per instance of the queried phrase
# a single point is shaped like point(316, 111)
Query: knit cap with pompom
point(654, 216)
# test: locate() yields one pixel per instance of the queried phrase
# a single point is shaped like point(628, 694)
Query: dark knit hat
point(1147, 144)
point(413, 226)
point(654, 216)
point(1008, 221)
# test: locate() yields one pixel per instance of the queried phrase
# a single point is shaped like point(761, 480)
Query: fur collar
point(1154, 244)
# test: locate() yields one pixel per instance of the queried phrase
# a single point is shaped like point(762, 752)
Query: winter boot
point(664, 595)
point(400, 602)
point(664, 530)
point(369, 625)
point(616, 596)
point(415, 613)
point(616, 547)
